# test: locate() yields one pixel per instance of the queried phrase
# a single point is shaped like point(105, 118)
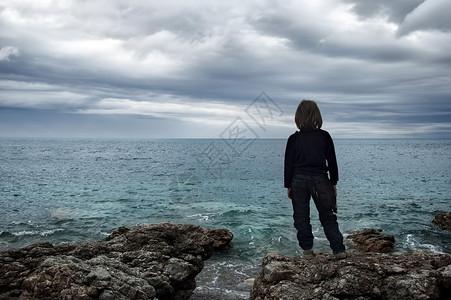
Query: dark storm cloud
point(368, 63)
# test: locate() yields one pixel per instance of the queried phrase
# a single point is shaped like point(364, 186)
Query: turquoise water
point(66, 190)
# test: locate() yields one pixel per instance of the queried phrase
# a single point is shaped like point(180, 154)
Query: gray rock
point(157, 261)
point(360, 276)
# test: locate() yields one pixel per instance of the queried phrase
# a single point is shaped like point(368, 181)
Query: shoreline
point(175, 255)
point(144, 262)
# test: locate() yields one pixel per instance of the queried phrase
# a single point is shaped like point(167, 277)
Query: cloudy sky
point(121, 68)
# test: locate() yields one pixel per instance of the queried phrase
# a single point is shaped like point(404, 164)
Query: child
point(309, 156)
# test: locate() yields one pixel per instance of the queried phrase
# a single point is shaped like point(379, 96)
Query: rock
point(221, 237)
point(140, 262)
point(372, 240)
point(249, 281)
point(360, 276)
point(443, 220)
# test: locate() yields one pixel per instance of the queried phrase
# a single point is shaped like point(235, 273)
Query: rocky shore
point(161, 261)
point(360, 276)
point(141, 262)
point(367, 273)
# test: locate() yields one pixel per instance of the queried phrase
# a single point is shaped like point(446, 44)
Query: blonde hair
point(308, 116)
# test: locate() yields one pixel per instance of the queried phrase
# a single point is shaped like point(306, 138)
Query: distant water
point(68, 190)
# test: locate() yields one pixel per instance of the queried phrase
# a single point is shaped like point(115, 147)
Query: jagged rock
point(139, 262)
point(360, 276)
point(372, 240)
point(443, 220)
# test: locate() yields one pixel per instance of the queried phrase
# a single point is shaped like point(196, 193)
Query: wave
point(225, 279)
point(62, 214)
point(47, 232)
point(412, 243)
point(237, 212)
point(201, 216)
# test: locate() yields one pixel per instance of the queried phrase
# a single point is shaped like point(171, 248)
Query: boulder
point(360, 276)
point(372, 240)
point(157, 261)
point(443, 220)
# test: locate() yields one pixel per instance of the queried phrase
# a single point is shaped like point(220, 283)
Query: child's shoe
point(341, 255)
point(309, 254)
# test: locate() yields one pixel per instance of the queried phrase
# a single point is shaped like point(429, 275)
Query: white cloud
point(36, 95)
point(430, 15)
point(386, 129)
point(167, 107)
point(7, 52)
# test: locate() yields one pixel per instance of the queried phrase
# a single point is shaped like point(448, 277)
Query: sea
point(77, 190)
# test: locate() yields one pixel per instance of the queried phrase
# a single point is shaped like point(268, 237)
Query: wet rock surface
point(360, 276)
point(157, 261)
point(372, 240)
point(443, 220)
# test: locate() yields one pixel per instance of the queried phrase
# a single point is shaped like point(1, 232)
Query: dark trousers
point(303, 187)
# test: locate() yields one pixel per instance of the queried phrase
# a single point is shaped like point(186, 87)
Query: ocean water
point(75, 190)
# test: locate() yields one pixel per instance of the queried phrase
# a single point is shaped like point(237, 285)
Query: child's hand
point(289, 192)
point(335, 190)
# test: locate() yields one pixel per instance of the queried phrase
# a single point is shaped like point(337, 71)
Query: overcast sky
point(121, 68)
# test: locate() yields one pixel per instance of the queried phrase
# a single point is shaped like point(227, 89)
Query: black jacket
point(310, 153)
